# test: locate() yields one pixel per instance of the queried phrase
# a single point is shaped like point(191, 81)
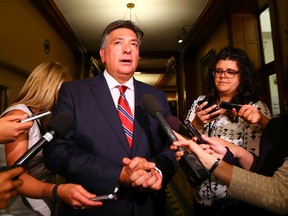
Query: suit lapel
point(140, 120)
point(103, 96)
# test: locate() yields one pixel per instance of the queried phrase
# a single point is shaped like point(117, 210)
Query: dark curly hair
point(248, 90)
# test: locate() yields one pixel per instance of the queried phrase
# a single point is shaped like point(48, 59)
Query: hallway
point(179, 197)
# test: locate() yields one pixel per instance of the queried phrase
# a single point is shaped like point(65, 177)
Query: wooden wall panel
point(244, 31)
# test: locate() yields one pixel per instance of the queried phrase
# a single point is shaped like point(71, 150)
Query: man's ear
point(102, 55)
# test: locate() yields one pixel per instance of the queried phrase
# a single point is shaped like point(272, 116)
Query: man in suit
point(96, 153)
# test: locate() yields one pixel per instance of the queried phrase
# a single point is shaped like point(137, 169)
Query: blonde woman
point(39, 93)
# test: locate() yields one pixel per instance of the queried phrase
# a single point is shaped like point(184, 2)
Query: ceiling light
point(180, 40)
point(183, 34)
point(131, 6)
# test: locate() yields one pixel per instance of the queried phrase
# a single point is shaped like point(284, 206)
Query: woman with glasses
point(231, 79)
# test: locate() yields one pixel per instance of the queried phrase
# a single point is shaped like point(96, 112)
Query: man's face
point(121, 54)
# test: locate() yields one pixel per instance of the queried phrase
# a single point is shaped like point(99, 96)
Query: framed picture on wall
point(206, 63)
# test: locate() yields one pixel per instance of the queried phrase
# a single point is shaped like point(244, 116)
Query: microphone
point(189, 164)
point(185, 129)
point(59, 126)
point(153, 107)
point(178, 126)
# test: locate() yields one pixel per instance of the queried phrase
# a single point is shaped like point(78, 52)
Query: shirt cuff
point(159, 171)
point(229, 157)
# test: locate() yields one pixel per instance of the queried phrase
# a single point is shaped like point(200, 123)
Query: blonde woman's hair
point(40, 91)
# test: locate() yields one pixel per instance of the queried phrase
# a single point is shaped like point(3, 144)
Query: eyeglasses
point(229, 73)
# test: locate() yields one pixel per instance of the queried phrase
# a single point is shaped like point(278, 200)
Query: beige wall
point(22, 34)
point(217, 41)
point(13, 81)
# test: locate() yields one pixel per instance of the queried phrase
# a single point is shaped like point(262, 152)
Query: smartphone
point(36, 116)
point(102, 198)
point(226, 105)
point(208, 105)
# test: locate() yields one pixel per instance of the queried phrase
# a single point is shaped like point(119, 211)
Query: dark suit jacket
point(91, 154)
point(273, 146)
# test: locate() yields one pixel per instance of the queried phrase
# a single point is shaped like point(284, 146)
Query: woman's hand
point(203, 116)
point(76, 196)
point(190, 146)
point(252, 115)
point(215, 146)
point(9, 185)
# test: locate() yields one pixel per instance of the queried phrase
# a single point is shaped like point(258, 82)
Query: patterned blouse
point(239, 133)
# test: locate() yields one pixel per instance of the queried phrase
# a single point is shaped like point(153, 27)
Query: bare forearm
point(34, 188)
point(245, 158)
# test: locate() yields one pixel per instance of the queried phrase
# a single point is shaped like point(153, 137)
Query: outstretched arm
point(265, 192)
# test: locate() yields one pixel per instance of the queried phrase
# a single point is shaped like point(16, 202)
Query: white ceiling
point(161, 20)
point(150, 79)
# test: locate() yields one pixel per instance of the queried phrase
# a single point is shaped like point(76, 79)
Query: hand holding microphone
point(59, 125)
point(11, 128)
point(191, 167)
point(9, 184)
point(9, 180)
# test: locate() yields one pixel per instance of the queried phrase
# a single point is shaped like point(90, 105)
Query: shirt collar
point(112, 82)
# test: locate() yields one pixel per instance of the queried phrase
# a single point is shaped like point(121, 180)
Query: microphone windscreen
point(178, 126)
point(151, 104)
point(61, 123)
point(174, 122)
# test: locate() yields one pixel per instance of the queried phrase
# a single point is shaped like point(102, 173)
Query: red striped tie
point(125, 115)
